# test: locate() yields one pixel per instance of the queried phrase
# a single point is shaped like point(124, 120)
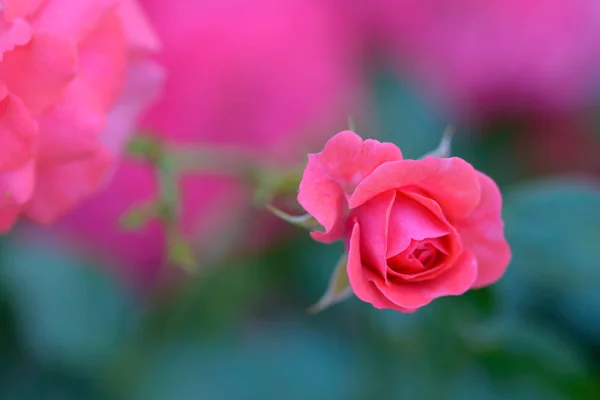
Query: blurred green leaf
point(525, 352)
point(493, 151)
point(282, 362)
point(554, 231)
point(68, 313)
point(27, 381)
point(580, 309)
point(405, 118)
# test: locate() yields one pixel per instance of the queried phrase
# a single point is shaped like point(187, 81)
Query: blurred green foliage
point(69, 330)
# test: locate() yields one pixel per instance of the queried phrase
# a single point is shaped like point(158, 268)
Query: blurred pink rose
point(476, 58)
point(270, 76)
point(415, 230)
point(73, 75)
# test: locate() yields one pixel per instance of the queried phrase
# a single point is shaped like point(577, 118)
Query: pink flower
point(496, 56)
point(268, 76)
point(415, 229)
point(73, 75)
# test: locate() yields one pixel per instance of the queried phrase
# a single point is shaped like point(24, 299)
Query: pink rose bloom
point(269, 76)
point(73, 75)
point(415, 229)
point(477, 57)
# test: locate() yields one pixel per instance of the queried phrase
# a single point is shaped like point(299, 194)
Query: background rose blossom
point(270, 76)
point(476, 58)
point(73, 77)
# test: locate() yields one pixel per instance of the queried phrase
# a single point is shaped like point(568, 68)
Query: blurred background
point(89, 310)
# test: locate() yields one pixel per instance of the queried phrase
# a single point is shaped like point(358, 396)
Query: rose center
point(425, 253)
point(419, 256)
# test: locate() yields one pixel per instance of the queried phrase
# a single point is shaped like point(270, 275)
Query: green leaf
point(339, 287)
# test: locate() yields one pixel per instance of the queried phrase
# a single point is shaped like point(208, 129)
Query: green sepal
point(444, 148)
point(339, 288)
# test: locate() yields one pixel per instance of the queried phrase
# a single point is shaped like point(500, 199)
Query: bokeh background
point(89, 310)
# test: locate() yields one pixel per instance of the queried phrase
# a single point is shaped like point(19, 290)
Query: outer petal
point(39, 72)
point(143, 84)
point(358, 275)
point(323, 198)
point(483, 234)
point(138, 30)
point(16, 186)
point(451, 182)
point(20, 8)
point(335, 172)
point(104, 74)
point(72, 19)
point(453, 282)
point(8, 217)
point(69, 130)
point(13, 34)
point(348, 160)
point(62, 186)
point(18, 134)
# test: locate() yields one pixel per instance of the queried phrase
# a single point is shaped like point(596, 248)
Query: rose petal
point(412, 268)
point(18, 132)
point(452, 182)
point(452, 245)
point(103, 60)
point(483, 234)
point(409, 220)
point(61, 186)
point(69, 130)
point(453, 282)
point(348, 159)
point(138, 30)
point(8, 217)
point(362, 287)
point(324, 199)
point(373, 218)
point(16, 186)
point(143, 83)
point(72, 19)
point(38, 72)
point(343, 163)
point(20, 8)
point(13, 34)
